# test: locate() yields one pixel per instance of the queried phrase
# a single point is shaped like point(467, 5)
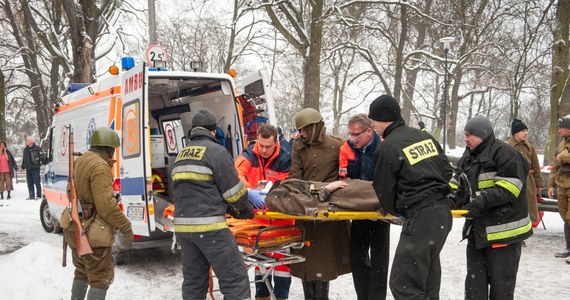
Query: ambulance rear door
point(135, 170)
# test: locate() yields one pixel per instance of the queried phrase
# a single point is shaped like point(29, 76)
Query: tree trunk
point(559, 94)
point(83, 26)
point(453, 109)
point(400, 54)
point(313, 63)
point(2, 107)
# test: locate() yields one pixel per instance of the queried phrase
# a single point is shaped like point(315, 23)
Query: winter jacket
point(534, 178)
point(32, 157)
point(358, 163)
point(329, 254)
point(205, 181)
point(497, 174)
point(411, 170)
point(252, 168)
point(11, 163)
point(94, 185)
point(560, 172)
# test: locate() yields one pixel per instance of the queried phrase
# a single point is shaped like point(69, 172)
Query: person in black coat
point(31, 162)
point(8, 167)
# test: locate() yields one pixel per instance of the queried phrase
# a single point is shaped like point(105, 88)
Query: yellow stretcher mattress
point(337, 215)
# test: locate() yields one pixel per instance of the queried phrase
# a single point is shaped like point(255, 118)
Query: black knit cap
point(517, 125)
point(384, 109)
point(204, 118)
point(479, 126)
point(564, 122)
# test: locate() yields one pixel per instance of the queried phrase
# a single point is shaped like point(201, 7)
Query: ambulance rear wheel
point(46, 218)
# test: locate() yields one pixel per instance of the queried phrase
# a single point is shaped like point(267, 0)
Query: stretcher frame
point(328, 215)
point(256, 256)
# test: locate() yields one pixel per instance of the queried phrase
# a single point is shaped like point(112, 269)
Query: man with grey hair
point(31, 162)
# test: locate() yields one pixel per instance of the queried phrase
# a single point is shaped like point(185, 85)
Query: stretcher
point(337, 215)
point(267, 246)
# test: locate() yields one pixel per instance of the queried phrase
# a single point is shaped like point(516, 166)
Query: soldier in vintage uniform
point(534, 180)
point(94, 185)
point(559, 180)
point(315, 157)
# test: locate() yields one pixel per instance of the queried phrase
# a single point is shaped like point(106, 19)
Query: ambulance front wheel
point(48, 222)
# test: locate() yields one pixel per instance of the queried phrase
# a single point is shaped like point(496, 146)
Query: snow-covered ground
point(30, 263)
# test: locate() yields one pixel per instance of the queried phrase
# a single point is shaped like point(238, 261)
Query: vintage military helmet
point(306, 117)
point(104, 136)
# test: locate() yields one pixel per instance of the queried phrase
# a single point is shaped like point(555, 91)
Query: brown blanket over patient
point(301, 197)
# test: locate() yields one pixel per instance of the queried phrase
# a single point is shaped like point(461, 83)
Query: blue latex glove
point(254, 197)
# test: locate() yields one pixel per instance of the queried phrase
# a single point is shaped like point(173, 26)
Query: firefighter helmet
point(104, 136)
point(306, 117)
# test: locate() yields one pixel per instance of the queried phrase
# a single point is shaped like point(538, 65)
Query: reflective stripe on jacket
point(497, 173)
point(204, 183)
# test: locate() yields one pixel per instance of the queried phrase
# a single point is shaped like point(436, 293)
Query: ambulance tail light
point(136, 237)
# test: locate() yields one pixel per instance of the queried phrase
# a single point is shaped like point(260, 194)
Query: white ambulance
point(151, 110)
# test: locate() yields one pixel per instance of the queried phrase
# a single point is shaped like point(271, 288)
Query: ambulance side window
point(50, 146)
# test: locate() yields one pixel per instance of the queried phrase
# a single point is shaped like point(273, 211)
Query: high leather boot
point(78, 289)
point(321, 290)
point(309, 290)
point(96, 294)
point(9, 197)
point(1, 195)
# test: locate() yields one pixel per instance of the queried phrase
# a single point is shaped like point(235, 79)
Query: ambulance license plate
point(135, 213)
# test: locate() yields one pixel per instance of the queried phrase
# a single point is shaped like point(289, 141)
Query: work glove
point(474, 208)
point(246, 213)
point(255, 198)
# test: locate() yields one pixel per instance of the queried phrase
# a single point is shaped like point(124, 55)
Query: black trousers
point(494, 268)
point(217, 249)
point(370, 252)
point(416, 270)
point(316, 290)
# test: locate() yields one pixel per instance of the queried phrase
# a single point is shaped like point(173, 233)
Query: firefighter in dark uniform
point(497, 221)
point(205, 186)
point(369, 239)
point(411, 181)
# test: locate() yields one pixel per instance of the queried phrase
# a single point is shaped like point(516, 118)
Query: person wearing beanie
point(497, 220)
point(534, 182)
point(206, 186)
point(315, 157)
point(559, 181)
point(411, 179)
point(422, 126)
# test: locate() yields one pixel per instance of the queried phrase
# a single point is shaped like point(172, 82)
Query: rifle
point(83, 247)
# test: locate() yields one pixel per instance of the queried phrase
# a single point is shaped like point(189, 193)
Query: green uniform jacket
point(534, 178)
point(94, 185)
point(561, 176)
point(328, 255)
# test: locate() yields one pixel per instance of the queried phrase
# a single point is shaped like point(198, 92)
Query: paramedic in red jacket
point(266, 161)
point(370, 239)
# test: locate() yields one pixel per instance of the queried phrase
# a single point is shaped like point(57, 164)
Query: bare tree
point(560, 81)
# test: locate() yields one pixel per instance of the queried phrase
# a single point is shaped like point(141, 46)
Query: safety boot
point(96, 294)
point(78, 289)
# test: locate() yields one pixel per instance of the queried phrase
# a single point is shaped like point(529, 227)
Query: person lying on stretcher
point(301, 197)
